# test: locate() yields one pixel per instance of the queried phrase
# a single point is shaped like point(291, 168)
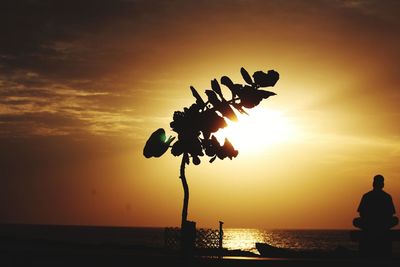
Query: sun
point(259, 129)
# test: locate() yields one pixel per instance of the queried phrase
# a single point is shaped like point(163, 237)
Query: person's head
point(378, 182)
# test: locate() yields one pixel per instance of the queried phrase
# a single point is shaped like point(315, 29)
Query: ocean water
point(233, 238)
point(245, 239)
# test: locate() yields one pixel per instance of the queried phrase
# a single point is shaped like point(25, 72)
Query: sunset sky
point(83, 84)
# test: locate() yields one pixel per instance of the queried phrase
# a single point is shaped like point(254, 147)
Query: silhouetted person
point(376, 209)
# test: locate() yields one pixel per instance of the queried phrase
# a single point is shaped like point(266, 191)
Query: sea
point(233, 238)
point(245, 239)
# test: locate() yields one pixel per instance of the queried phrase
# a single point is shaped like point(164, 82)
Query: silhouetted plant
point(196, 124)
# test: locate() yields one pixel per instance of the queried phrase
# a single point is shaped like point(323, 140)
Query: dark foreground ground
point(14, 252)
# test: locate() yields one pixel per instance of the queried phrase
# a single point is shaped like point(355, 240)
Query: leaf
point(193, 146)
point(237, 88)
point(212, 159)
point(225, 80)
point(250, 102)
point(212, 98)
point(211, 122)
point(196, 160)
point(209, 148)
point(234, 88)
point(249, 97)
point(227, 111)
point(266, 79)
point(222, 106)
point(216, 88)
point(239, 108)
point(265, 94)
point(157, 144)
point(246, 76)
point(229, 150)
point(170, 139)
point(177, 148)
point(199, 100)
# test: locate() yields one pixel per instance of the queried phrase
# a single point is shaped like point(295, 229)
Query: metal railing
point(205, 238)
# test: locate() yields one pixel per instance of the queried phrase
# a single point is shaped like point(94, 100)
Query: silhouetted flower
point(196, 124)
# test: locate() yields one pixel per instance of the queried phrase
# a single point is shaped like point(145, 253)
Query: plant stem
point(185, 190)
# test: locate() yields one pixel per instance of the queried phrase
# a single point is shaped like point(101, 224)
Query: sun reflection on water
point(242, 239)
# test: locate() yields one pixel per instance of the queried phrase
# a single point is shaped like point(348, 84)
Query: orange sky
point(83, 85)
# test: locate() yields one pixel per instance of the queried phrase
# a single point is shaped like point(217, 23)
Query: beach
point(30, 245)
point(50, 254)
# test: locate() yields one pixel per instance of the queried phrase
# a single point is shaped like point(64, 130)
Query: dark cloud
point(87, 39)
point(51, 37)
point(40, 124)
point(31, 92)
point(28, 26)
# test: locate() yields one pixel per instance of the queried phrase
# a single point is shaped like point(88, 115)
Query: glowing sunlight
point(259, 129)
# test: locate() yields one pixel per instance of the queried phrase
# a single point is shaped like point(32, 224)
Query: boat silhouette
point(267, 250)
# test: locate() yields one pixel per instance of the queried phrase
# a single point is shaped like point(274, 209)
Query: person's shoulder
point(386, 194)
point(368, 193)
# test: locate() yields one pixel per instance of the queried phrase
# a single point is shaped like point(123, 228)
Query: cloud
point(99, 61)
point(32, 105)
point(385, 10)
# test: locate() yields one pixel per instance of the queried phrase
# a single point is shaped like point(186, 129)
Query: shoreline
point(35, 245)
point(18, 252)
